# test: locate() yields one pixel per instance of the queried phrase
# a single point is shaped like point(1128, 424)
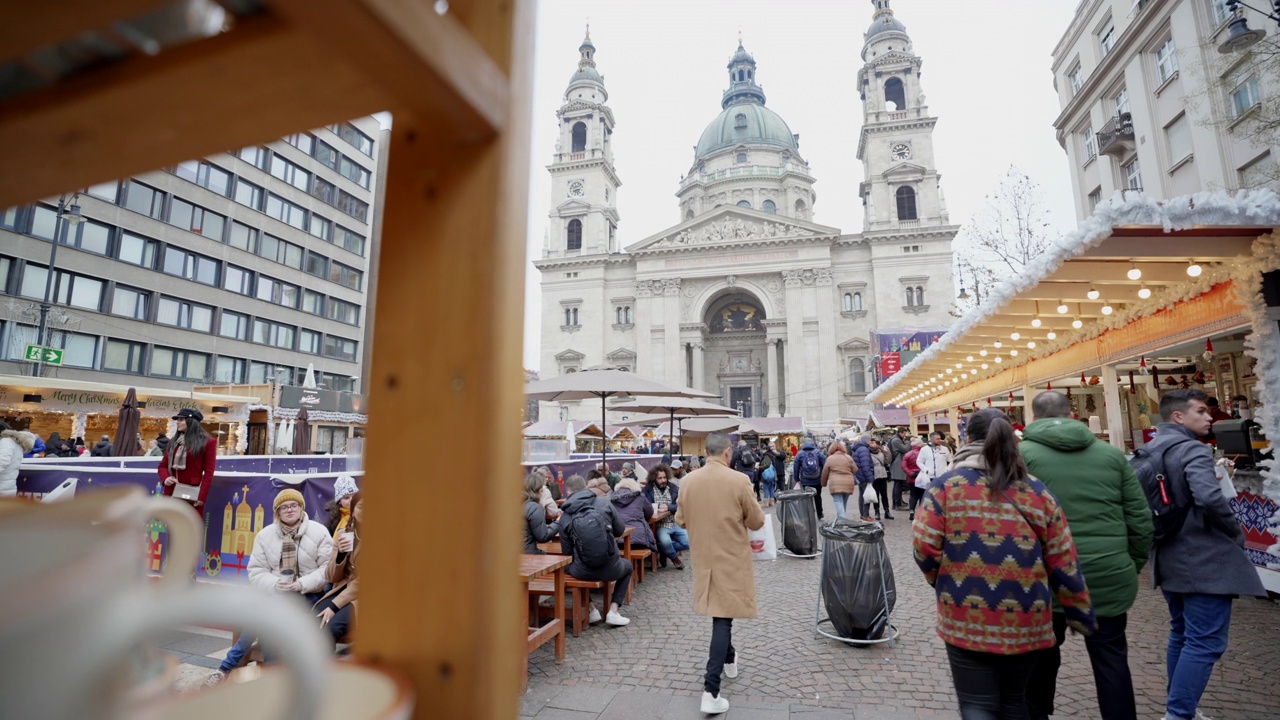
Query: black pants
point(916, 494)
point(817, 500)
point(721, 652)
point(898, 487)
point(619, 573)
point(882, 491)
point(1108, 653)
point(341, 621)
point(990, 686)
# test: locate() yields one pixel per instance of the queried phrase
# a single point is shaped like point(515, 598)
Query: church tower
point(901, 187)
point(584, 184)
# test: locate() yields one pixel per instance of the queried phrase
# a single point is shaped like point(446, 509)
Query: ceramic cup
point(78, 603)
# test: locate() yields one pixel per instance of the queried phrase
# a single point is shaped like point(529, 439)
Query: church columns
point(644, 336)
point(777, 331)
point(699, 368)
point(675, 370)
point(797, 389)
point(827, 307)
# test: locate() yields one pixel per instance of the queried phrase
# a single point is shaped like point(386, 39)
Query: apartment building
point(1150, 104)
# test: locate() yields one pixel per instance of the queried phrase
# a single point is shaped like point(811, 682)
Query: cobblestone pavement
point(786, 670)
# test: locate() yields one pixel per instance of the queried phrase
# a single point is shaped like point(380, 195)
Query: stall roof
point(548, 429)
point(26, 382)
point(772, 425)
point(1161, 239)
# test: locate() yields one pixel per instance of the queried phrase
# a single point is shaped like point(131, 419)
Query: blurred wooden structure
point(448, 320)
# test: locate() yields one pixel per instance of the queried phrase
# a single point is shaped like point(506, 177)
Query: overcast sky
point(986, 78)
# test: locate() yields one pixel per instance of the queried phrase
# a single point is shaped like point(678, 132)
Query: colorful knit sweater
point(994, 567)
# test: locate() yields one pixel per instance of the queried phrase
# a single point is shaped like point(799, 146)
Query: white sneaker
point(1202, 716)
point(595, 615)
point(616, 619)
point(731, 669)
point(215, 678)
point(714, 705)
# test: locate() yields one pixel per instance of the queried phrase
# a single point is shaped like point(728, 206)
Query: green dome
point(586, 73)
point(763, 127)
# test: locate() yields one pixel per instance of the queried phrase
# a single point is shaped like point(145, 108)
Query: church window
point(688, 215)
point(919, 296)
point(895, 94)
point(571, 317)
point(769, 207)
point(857, 376)
point(574, 235)
point(906, 203)
point(848, 302)
point(617, 312)
point(740, 121)
point(911, 297)
point(800, 208)
point(627, 315)
point(579, 137)
point(857, 302)
point(744, 203)
point(742, 157)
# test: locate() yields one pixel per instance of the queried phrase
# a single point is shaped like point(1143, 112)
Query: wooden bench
point(638, 558)
point(579, 590)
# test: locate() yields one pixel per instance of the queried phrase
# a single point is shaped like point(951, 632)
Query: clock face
point(900, 151)
point(575, 188)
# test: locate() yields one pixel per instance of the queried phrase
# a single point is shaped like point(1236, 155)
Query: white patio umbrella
point(287, 443)
point(309, 381)
point(276, 449)
point(674, 407)
point(604, 382)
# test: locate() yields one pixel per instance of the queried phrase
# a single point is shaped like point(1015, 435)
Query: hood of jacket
point(808, 446)
point(1062, 434)
point(969, 456)
point(579, 501)
point(624, 498)
point(25, 440)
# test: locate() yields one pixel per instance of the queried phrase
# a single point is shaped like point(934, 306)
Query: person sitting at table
point(595, 482)
point(663, 493)
point(553, 487)
point(635, 510)
point(546, 498)
point(339, 509)
point(678, 470)
point(536, 529)
point(337, 607)
point(587, 532)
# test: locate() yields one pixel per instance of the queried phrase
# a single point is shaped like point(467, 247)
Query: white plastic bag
point(763, 544)
point(869, 496)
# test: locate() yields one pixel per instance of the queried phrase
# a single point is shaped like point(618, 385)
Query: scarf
point(178, 453)
point(289, 549)
point(342, 523)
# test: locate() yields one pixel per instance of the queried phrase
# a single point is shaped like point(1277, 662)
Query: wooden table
point(533, 567)
point(657, 517)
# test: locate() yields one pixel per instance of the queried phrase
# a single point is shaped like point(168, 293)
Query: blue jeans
point(1198, 625)
point(246, 640)
point(673, 539)
point(841, 501)
point(770, 488)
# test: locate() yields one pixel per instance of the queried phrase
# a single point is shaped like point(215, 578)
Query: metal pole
point(43, 327)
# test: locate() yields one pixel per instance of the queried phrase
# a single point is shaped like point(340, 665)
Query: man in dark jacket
point(1111, 524)
point(583, 509)
point(899, 446)
point(103, 448)
point(810, 478)
point(664, 495)
point(866, 473)
point(1202, 567)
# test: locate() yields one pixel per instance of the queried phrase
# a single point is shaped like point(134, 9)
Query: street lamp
point(72, 217)
point(1240, 37)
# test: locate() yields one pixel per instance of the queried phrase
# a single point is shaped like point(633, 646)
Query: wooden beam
point(29, 26)
point(425, 63)
point(440, 597)
point(259, 82)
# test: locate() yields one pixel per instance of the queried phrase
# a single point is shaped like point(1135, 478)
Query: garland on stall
point(78, 424)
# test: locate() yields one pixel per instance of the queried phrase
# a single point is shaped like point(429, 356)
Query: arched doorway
point(735, 343)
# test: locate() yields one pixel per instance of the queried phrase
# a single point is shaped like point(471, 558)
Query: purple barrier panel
point(299, 464)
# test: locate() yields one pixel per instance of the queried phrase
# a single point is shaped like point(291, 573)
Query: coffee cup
point(78, 605)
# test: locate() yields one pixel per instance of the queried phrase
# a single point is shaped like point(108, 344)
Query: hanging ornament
point(1208, 350)
point(1010, 396)
point(1184, 382)
point(988, 402)
point(1083, 382)
point(1155, 373)
point(1170, 381)
point(1068, 393)
point(1048, 386)
point(1199, 378)
point(1133, 390)
point(1090, 405)
point(1095, 380)
point(1142, 366)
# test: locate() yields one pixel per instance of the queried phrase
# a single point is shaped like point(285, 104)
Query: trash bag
point(854, 558)
point(799, 520)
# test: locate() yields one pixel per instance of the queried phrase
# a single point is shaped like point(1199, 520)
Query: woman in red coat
point(190, 459)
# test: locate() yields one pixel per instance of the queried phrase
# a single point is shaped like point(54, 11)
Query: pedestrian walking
point(839, 477)
point(899, 446)
point(1111, 524)
point(880, 470)
point(934, 460)
point(718, 510)
point(1201, 566)
point(865, 472)
point(995, 546)
point(806, 469)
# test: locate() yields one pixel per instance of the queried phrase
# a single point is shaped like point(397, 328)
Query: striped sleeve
point(928, 533)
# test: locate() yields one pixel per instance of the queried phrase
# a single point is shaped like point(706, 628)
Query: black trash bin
point(857, 579)
point(799, 521)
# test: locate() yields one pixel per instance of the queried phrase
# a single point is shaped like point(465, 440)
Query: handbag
point(183, 491)
point(769, 474)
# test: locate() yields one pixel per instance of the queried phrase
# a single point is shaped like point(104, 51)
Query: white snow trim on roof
point(1246, 207)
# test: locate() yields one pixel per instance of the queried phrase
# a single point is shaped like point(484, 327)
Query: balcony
point(1116, 137)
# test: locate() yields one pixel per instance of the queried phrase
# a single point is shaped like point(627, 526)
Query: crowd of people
point(18, 445)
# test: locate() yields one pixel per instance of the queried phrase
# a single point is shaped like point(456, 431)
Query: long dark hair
point(990, 427)
point(195, 438)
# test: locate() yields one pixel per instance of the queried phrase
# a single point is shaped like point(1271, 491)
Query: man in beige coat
point(718, 507)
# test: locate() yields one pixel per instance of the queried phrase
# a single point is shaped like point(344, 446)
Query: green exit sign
point(35, 353)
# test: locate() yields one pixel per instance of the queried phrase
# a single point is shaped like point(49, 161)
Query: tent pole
point(604, 448)
point(671, 429)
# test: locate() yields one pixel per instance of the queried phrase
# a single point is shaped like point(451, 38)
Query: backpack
point(747, 459)
point(1170, 501)
point(809, 468)
point(592, 534)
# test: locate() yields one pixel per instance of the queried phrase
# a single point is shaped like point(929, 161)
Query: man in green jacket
point(1111, 524)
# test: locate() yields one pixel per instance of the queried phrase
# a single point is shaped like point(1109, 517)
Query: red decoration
point(1010, 396)
point(1083, 382)
point(988, 402)
point(1133, 390)
point(1048, 386)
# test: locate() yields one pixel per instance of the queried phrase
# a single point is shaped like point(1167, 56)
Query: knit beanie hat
point(346, 485)
point(285, 496)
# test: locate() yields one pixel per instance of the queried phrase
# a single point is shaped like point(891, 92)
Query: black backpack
point(747, 459)
point(592, 535)
point(810, 468)
point(1170, 500)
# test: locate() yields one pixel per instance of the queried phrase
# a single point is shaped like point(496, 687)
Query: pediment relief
point(569, 356)
point(621, 354)
point(731, 225)
point(905, 169)
point(573, 207)
point(856, 344)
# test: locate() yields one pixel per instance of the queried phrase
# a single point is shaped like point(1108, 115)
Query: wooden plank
point(260, 82)
point(426, 63)
point(29, 26)
point(447, 354)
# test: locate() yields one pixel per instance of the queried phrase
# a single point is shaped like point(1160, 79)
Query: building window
point(248, 194)
point(286, 212)
point(1090, 144)
point(354, 137)
point(351, 240)
point(78, 350)
point(1122, 102)
point(800, 208)
point(91, 237)
point(1166, 61)
point(123, 356)
point(331, 440)
point(354, 172)
point(1220, 12)
point(1258, 173)
point(190, 266)
point(237, 279)
point(1095, 198)
point(1076, 79)
point(744, 203)
point(919, 296)
point(312, 302)
point(229, 370)
point(176, 313)
point(171, 362)
point(285, 253)
point(1107, 38)
point(44, 222)
point(573, 235)
point(284, 170)
point(343, 311)
point(319, 227)
point(622, 315)
point(340, 348)
point(857, 302)
point(1178, 135)
point(130, 302)
point(769, 207)
point(847, 302)
point(1245, 96)
point(740, 121)
point(742, 158)
point(857, 376)
point(260, 157)
point(233, 325)
point(309, 342)
point(243, 237)
point(196, 219)
point(326, 154)
point(1133, 175)
point(895, 95)
point(274, 334)
point(571, 317)
point(316, 264)
point(136, 250)
point(579, 137)
point(143, 199)
point(205, 175)
point(906, 203)
point(275, 291)
point(105, 191)
point(345, 276)
point(352, 206)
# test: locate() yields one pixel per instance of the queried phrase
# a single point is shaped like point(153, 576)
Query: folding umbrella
point(126, 443)
point(604, 382)
point(302, 434)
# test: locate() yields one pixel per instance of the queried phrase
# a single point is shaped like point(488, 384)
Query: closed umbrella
point(281, 446)
point(126, 442)
point(302, 434)
point(286, 443)
point(309, 380)
point(604, 382)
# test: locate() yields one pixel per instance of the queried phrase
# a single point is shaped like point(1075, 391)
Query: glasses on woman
point(290, 506)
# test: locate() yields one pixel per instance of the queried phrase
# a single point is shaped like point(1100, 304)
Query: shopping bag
point(869, 496)
point(763, 544)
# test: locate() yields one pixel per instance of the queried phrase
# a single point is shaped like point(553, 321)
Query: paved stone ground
point(786, 669)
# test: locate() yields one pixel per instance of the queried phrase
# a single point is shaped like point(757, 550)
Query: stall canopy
point(1137, 272)
point(58, 393)
point(549, 429)
point(772, 425)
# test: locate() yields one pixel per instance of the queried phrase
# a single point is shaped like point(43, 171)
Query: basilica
point(749, 297)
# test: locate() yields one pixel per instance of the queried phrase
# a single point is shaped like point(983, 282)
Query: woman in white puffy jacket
point(13, 443)
point(292, 553)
